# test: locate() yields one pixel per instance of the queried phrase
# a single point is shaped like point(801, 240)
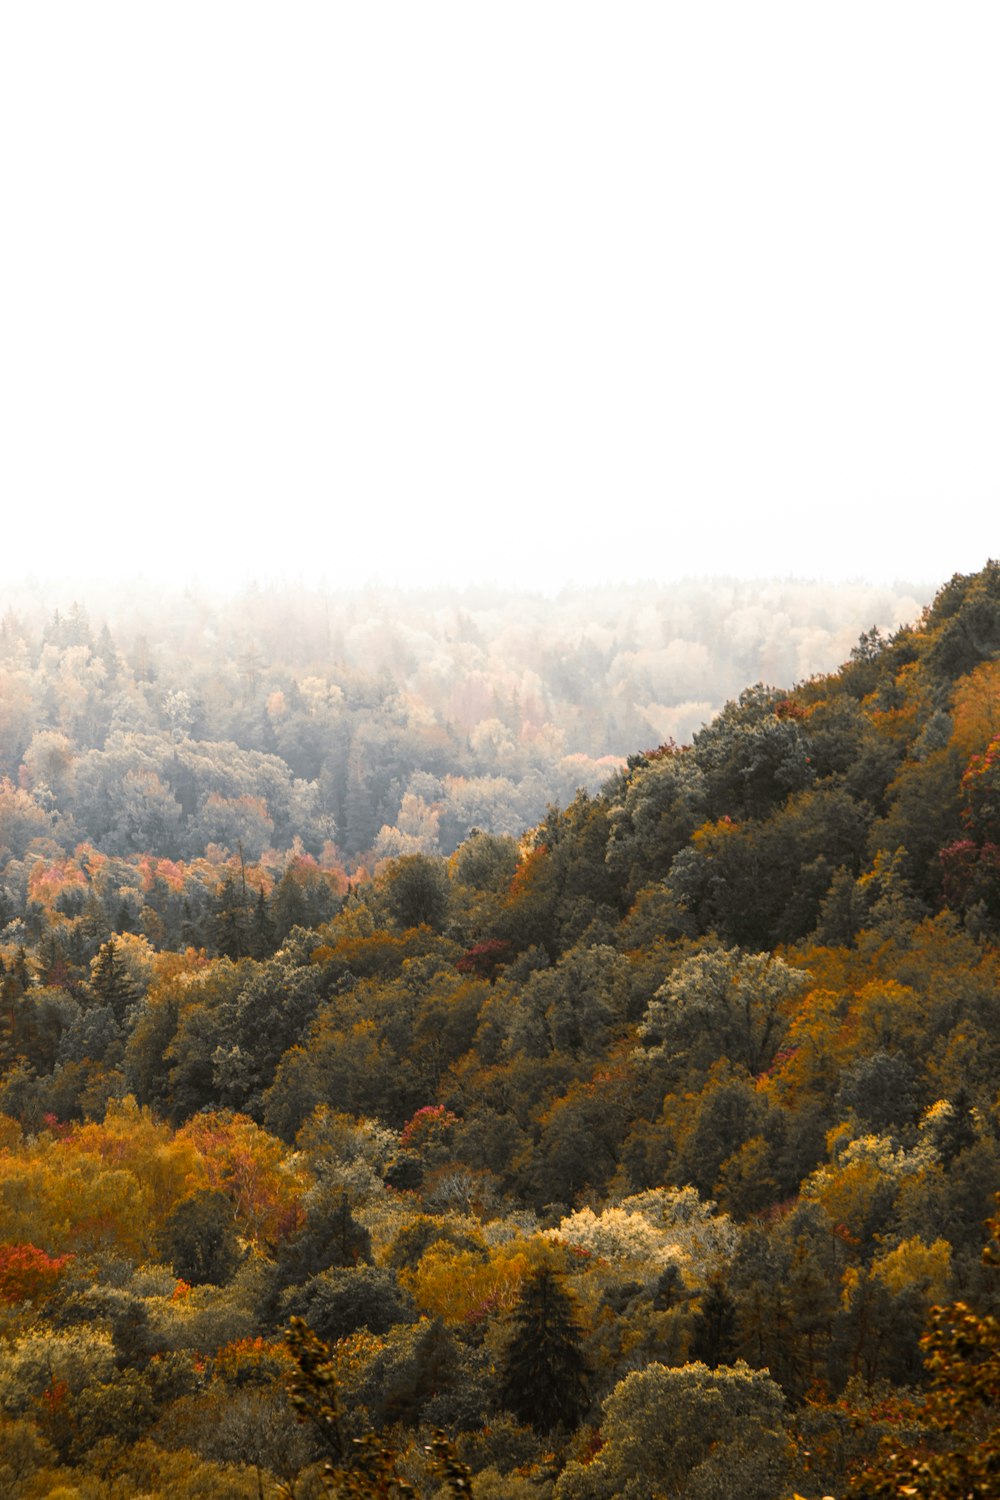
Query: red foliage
point(970, 873)
point(484, 959)
point(28, 1274)
point(426, 1124)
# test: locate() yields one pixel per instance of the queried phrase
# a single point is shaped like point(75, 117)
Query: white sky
point(527, 291)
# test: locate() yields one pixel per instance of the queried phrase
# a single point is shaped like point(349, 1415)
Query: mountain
point(680, 1104)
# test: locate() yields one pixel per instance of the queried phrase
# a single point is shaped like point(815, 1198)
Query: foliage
point(685, 1432)
point(363, 1466)
point(543, 1374)
point(472, 1115)
point(959, 1456)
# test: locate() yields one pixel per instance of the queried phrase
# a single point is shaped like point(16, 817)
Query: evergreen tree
point(714, 1341)
point(958, 1130)
point(232, 920)
point(111, 981)
point(543, 1376)
point(20, 973)
point(288, 908)
point(330, 1236)
point(261, 930)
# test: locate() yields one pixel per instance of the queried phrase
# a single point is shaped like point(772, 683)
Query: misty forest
point(536, 1048)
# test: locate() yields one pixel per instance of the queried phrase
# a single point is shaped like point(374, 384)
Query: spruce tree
point(111, 981)
point(543, 1375)
point(714, 1340)
point(232, 920)
point(261, 933)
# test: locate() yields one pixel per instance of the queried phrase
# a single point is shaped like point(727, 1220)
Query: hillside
point(630, 1151)
point(366, 725)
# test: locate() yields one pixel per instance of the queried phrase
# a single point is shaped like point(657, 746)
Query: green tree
point(341, 1300)
point(199, 1239)
point(543, 1373)
point(691, 1433)
point(415, 889)
point(112, 981)
point(722, 1003)
point(330, 1236)
point(713, 1334)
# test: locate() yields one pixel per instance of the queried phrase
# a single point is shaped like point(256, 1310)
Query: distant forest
point(648, 1149)
point(354, 728)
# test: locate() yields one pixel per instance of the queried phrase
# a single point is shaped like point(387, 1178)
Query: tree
point(330, 1236)
point(199, 1239)
point(543, 1373)
point(343, 1299)
point(714, 1329)
point(415, 889)
point(722, 1003)
point(959, 1456)
point(28, 1274)
point(662, 804)
point(751, 757)
point(111, 980)
point(689, 1433)
point(364, 1467)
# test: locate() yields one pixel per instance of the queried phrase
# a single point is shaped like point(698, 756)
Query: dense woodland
point(375, 724)
point(347, 1121)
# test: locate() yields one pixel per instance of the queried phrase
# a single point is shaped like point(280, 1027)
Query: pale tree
point(689, 1433)
point(722, 1003)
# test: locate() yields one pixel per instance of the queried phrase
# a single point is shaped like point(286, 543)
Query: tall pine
point(543, 1375)
point(111, 981)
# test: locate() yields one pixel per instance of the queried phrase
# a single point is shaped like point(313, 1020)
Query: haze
point(524, 293)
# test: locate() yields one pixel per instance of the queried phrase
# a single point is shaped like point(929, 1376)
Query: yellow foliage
point(166, 1165)
point(850, 1192)
point(976, 709)
point(899, 724)
point(886, 1014)
point(914, 1262)
point(813, 1050)
point(62, 1202)
point(253, 1167)
point(458, 1285)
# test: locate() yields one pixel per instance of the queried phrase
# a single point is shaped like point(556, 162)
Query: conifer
point(543, 1378)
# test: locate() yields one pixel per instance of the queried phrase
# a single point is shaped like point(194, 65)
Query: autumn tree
point(959, 1456)
point(687, 1432)
point(722, 1003)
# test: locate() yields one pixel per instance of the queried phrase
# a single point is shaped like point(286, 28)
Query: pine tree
point(232, 936)
point(20, 973)
point(543, 1376)
point(261, 933)
point(714, 1340)
point(330, 1236)
point(958, 1131)
point(111, 981)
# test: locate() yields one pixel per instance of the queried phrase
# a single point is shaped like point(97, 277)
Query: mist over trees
point(652, 1148)
point(374, 724)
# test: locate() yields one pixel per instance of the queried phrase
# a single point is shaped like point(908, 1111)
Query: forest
point(409, 1085)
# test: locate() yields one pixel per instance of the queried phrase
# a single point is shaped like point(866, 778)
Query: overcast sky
point(524, 291)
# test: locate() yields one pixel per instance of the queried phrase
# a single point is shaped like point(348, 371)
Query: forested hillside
point(373, 724)
point(627, 1153)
